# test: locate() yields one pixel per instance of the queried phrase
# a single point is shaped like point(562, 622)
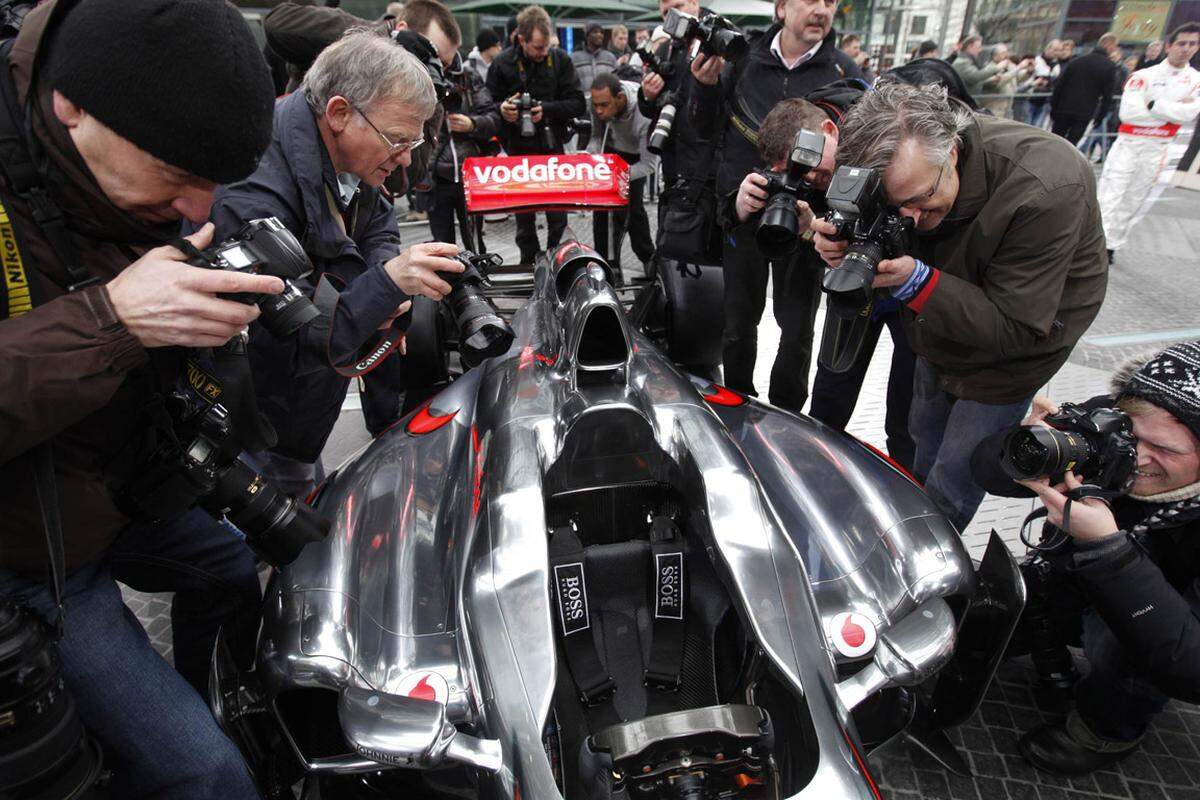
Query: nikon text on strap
point(574, 618)
point(669, 602)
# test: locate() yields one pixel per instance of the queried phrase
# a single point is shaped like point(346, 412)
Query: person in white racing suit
point(1156, 101)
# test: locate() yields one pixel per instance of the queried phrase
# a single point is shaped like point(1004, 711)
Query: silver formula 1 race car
point(579, 573)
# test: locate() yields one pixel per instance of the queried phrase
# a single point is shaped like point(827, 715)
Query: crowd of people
point(122, 165)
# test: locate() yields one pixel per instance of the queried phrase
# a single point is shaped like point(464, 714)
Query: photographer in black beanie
point(117, 121)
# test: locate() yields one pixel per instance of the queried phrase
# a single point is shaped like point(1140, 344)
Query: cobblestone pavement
point(1151, 301)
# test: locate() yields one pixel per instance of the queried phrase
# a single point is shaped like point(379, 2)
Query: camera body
point(1098, 445)
point(196, 463)
point(778, 233)
point(525, 124)
point(874, 230)
point(717, 36)
point(482, 332)
point(265, 247)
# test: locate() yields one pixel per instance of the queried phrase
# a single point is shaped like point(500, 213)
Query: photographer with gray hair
point(356, 118)
point(1005, 267)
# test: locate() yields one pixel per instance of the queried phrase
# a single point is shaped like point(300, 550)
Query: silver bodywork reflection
point(437, 563)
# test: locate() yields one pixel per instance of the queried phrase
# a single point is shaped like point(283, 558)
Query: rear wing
point(554, 182)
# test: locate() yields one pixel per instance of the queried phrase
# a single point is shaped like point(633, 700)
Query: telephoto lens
point(44, 750)
point(276, 525)
point(525, 108)
point(1035, 451)
point(662, 128)
point(482, 332)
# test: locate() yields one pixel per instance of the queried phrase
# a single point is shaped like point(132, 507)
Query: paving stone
point(934, 785)
point(1019, 790)
point(1110, 784)
point(1147, 791)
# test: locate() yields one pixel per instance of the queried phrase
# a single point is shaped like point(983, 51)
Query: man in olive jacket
point(1005, 272)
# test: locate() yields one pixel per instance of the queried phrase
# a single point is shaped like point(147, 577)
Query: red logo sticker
point(852, 634)
point(424, 686)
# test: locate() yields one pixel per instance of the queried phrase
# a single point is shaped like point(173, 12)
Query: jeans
point(1113, 698)
point(157, 733)
point(946, 430)
point(633, 219)
point(835, 394)
point(796, 295)
point(1038, 109)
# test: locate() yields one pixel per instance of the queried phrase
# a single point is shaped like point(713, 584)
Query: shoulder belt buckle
point(661, 681)
point(598, 695)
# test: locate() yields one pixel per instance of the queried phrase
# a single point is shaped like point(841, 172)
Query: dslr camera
point(525, 124)
point(1097, 445)
point(265, 247)
point(482, 332)
point(778, 233)
point(717, 36)
point(874, 231)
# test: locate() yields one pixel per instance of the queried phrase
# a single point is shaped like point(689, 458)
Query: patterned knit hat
point(1169, 379)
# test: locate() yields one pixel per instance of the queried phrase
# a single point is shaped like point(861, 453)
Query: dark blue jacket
point(297, 386)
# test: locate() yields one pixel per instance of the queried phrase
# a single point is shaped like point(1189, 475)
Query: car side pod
point(909, 653)
point(409, 732)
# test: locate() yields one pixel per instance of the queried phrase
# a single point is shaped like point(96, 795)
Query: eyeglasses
point(394, 148)
point(928, 194)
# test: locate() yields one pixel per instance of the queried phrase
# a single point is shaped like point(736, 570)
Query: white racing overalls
point(1156, 101)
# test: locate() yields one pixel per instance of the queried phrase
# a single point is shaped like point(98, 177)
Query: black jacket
point(751, 88)
point(298, 389)
point(1085, 88)
point(686, 154)
point(452, 148)
point(1148, 594)
point(551, 82)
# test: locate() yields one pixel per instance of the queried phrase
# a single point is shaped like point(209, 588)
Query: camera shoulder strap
point(19, 160)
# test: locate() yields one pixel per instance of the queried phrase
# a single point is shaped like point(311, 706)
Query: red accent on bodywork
point(424, 422)
point(720, 396)
point(862, 767)
point(896, 465)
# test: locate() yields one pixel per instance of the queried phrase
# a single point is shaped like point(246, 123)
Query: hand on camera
point(706, 69)
point(536, 113)
point(751, 197)
point(1091, 519)
point(508, 110)
point(1042, 406)
point(460, 123)
point(652, 86)
point(893, 272)
point(831, 251)
point(804, 216)
point(415, 270)
point(163, 301)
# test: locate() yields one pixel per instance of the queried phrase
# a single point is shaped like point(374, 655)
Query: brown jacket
point(1022, 264)
point(65, 364)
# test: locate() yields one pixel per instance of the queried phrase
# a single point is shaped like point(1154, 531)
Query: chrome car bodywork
point(435, 582)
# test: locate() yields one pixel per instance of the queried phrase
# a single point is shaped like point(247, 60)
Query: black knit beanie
point(183, 80)
point(1169, 379)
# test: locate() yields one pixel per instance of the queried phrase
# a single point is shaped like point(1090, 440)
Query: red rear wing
point(558, 182)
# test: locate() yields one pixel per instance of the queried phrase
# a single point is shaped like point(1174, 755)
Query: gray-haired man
point(356, 118)
point(1006, 268)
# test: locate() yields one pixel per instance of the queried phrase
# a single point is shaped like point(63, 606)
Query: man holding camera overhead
point(354, 120)
point(533, 70)
point(793, 57)
point(1123, 576)
point(1006, 267)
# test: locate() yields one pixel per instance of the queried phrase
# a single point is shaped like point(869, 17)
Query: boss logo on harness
point(572, 597)
point(669, 586)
